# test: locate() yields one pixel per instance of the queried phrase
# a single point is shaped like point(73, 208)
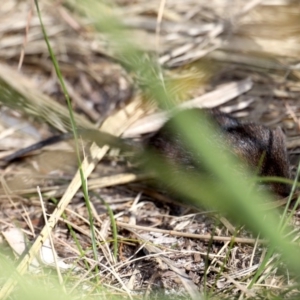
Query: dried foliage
point(238, 55)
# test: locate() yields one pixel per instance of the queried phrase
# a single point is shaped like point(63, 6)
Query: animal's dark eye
point(284, 130)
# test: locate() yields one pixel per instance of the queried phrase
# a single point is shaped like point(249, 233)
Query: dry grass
point(240, 57)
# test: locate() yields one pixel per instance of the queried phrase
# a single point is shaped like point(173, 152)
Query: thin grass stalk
point(74, 130)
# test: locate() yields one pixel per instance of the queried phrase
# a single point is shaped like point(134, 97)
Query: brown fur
point(257, 145)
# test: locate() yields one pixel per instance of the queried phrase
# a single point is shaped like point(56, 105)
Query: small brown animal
point(256, 145)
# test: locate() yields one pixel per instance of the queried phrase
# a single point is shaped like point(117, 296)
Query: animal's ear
point(279, 151)
point(279, 137)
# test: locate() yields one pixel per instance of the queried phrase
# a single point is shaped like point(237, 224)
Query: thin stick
point(192, 235)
